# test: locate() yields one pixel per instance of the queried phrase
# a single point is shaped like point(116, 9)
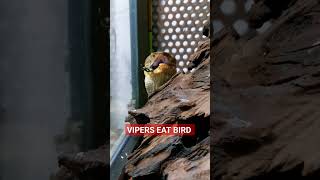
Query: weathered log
point(266, 122)
point(184, 99)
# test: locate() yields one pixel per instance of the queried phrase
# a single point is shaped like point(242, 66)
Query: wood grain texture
point(266, 96)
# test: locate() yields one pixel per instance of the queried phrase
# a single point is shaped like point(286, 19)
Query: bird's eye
point(155, 65)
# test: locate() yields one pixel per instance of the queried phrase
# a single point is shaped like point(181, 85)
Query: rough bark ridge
point(89, 165)
point(184, 99)
point(266, 122)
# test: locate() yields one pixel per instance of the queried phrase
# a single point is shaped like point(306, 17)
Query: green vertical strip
point(140, 48)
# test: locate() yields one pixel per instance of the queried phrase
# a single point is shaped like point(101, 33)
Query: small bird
point(158, 68)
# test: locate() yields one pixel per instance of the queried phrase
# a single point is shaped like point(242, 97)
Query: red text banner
point(160, 129)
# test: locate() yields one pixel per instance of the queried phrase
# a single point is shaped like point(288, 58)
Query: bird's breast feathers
point(153, 80)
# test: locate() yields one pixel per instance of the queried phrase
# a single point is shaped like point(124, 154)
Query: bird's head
point(158, 62)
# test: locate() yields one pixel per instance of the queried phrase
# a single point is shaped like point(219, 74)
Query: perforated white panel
point(177, 27)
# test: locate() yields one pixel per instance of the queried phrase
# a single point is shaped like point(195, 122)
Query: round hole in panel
point(174, 23)
point(189, 50)
point(185, 70)
point(170, 2)
point(155, 30)
point(181, 63)
point(181, 36)
point(185, 29)
point(228, 7)
point(185, 43)
point(185, 15)
point(241, 26)
point(154, 3)
point(163, 2)
point(177, 43)
point(170, 16)
point(185, 57)
point(173, 50)
point(177, 57)
point(167, 50)
point(166, 9)
point(178, 15)
point(181, 8)
point(166, 37)
point(166, 23)
point(196, 36)
point(170, 44)
point(181, 50)
point(181, 23)
point(178, 2)
point(174, 9)
point(248, 5)
point(174, 37)
point(217, 26)
point(155, 17)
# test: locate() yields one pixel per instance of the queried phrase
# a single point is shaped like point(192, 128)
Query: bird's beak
point(147, 69)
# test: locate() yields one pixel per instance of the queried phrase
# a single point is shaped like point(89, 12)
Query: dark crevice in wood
point(283, 81)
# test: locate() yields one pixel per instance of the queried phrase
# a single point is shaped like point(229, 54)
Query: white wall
point(120, 83)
